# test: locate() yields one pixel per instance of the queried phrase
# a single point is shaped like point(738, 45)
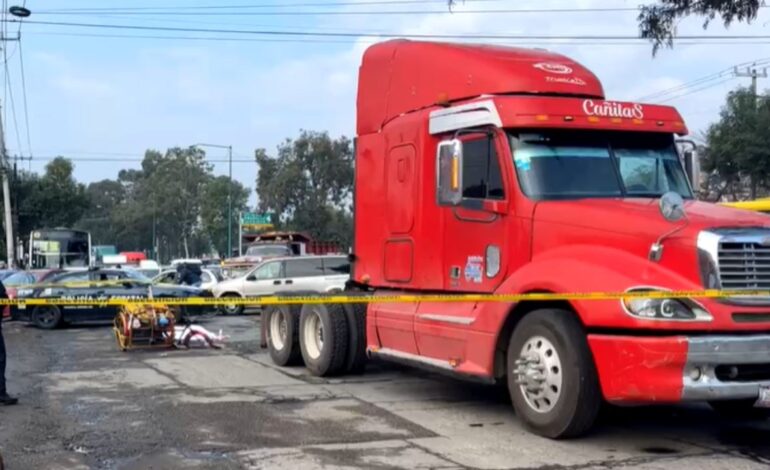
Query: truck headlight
point(663, 308)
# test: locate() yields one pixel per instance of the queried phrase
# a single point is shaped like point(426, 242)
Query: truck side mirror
point(692, 168)
point(449, 170)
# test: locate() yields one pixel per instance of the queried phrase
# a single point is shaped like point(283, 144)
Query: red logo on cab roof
point(552, 67)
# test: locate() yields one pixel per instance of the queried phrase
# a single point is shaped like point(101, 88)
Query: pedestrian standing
point(5, 399)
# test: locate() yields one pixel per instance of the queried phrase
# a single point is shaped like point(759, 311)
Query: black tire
point(326, 357)
point(356, 318)
point(47, 317)
point(235, 310)
point(741, 410)
point(573, 411)
point(284, 349)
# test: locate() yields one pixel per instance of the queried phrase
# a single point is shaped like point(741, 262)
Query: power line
point(4, 34)
point(365, 34)
point(7, 80)
point(499, 11)
point(699, 81)
point(697, 90)
point(127, 160)
point(373, 40)
point(13, 104)
point(261, 5)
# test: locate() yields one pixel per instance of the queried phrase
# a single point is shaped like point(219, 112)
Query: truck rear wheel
point(552, 378)
point(356, 318)
point(282, 327)
point(323, 338)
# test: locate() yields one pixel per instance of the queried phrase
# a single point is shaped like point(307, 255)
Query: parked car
point(209, 278)
point(43, 276)
point(12, 283)
point(132, 286)
point(311, 274)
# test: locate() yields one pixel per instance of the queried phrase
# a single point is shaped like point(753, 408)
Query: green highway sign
point(250, 218)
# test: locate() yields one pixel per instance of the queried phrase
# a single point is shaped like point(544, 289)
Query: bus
point(59, 248)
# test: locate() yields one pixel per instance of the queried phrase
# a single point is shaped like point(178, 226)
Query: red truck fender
point(546, 273)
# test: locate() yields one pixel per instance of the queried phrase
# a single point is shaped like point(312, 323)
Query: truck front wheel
point(552, 379)
point(323, 338)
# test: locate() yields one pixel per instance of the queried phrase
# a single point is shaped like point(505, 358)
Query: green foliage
point(214, 210)
point(175, 201)
point(165, 197)
point(738, 145)
point(53, 200)
point(309, 185)
point(658, 22)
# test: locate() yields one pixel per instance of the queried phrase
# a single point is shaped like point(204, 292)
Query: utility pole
point(9, 243)
point(754, 74)
point(230, 203)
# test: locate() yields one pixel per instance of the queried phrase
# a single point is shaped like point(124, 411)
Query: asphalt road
point(86, 405)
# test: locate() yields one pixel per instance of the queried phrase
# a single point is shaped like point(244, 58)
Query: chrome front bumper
point(709, 357)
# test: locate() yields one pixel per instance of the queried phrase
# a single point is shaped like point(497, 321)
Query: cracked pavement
point(86, 405)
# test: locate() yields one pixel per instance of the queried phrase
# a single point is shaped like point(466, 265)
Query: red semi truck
point(496, 170)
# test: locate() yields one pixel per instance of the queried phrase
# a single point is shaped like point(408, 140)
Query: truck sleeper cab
point(491, 170)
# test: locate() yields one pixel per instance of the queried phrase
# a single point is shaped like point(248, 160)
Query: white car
point(310, 274)
point(209, 278)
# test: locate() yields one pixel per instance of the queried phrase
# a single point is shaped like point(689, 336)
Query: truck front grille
point(744, 265)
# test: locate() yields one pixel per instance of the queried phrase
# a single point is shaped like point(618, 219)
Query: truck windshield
point(578, 164)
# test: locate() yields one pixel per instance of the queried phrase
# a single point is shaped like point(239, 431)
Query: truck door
point(475, 231)
point(475, 240)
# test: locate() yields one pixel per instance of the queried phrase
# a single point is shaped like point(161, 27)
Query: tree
point(309, 185)
point(61, 201)
point(104, 198)
point(163, 199)
point(174, 187)
point(738, 145)
point(658, 22)
point(214, 210)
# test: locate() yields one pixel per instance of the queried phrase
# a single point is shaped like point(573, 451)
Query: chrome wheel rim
point(313, 335)
point(278, 329)
point(539, 374)
point(231, 308)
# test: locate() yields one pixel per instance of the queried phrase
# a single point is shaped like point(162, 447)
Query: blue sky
point(94, 97)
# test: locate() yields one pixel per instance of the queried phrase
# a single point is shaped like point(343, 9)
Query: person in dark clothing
point(5, 399)
point(195, 275)
point(189, 274)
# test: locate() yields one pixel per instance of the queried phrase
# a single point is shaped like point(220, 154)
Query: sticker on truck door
point(474, 269)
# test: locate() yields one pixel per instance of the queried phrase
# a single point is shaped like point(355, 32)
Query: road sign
point(250, 218)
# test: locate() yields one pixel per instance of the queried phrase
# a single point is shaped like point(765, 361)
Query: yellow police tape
point(74, 300)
